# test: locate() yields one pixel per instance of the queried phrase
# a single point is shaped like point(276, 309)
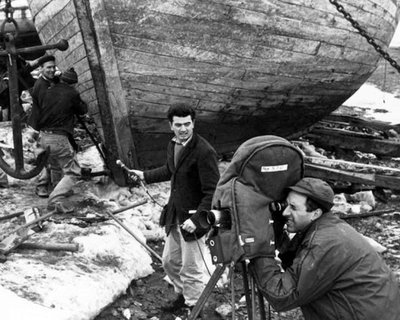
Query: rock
point(397, 273)
point(364, 196)
point(310, 150)
point(355, 209)
point(3, 179)
point(224, 310)
point(127, 313)
point(340, 204)
point(392, 133)
point(365, 207)
point(339, 198)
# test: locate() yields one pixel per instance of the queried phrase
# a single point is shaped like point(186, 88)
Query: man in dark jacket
point(46, 79)
point(333, 272)
point(56, 124)
point(193, 170)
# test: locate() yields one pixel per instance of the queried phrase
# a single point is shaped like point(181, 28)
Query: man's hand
point(32, 135)
point(139, 173)
point(189, 226)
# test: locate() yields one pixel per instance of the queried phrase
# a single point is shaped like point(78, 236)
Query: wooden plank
point(343, 139)
point(349, 165)
point(49, 9)
point(154, 59)
point(327, 173)
point(361, 123)
point(367, 214)
point(174, 91)
point(241, 25)
point(110, 96)
point(72, 247)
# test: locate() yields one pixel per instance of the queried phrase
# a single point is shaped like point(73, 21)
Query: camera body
point(277, 207)
point(250, 192)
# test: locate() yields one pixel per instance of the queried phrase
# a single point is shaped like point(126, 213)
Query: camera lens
point(208, 218)
point(277, 206)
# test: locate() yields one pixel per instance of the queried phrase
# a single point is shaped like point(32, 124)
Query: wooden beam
point(327, 173)
point(349, 165)
point(73, 247)
point(345, 139)
point(366, 214)
point(361, 123)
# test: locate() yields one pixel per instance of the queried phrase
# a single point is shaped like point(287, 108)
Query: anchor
point(12, 52)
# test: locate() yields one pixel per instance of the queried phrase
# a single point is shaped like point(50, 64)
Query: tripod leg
point(219, 270)
point(261, 304)
point(253, 298)
point(246, 289)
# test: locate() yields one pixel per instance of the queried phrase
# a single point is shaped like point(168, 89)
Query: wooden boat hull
point(248, 67)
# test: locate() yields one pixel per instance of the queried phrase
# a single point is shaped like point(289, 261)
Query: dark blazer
point(193, 183)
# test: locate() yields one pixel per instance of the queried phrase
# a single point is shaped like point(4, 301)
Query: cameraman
point(331, 272)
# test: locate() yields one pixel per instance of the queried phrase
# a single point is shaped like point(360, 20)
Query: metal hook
point(18, 171)
point(3, 27)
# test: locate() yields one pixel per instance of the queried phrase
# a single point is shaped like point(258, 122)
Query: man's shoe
point(189, 311)
point(61, 207)
point(42, 191)
point(174, 305)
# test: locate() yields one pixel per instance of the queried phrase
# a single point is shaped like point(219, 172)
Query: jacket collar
point(187, 149)
point(174, 139)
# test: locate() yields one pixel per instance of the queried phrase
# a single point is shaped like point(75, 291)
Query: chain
point(370, 40)
point(9, 12)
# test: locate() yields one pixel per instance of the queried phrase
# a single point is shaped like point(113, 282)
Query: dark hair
point(312, 205)
point(181, 110)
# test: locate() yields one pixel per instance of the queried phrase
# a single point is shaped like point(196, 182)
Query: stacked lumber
point(354, 134)
point(351, 133)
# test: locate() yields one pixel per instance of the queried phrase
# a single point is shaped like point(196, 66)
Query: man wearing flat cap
point(332, 272)
point(47, 78)
point(59, 106)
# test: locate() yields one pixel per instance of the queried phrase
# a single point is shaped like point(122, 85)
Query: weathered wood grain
point(248, 67)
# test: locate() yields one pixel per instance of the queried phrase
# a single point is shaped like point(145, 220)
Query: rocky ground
point(144, 297)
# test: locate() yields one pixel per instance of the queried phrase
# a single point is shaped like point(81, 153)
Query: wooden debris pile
point(351, 133)
point(370, 149)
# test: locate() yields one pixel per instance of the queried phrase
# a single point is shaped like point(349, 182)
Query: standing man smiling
point(192, 167)
point(46, 79)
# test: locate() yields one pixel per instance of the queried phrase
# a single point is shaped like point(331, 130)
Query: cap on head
point(69, 76)
point(45, 59)
point(317, 190)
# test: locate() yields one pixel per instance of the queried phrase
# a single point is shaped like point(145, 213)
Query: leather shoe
point(189, 311)
point(61, 207)
point(42, 191)
point(174, 305)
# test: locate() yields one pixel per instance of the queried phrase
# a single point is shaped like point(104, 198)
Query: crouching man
point(330, 270)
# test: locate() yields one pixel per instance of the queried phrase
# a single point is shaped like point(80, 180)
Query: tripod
point(250, 293)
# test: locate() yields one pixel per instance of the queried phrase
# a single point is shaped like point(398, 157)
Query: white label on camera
point(249, 240)
point(282, 167)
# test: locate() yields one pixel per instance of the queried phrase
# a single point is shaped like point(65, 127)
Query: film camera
point(215, 218)
point(249, 196)
point(277, 207)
